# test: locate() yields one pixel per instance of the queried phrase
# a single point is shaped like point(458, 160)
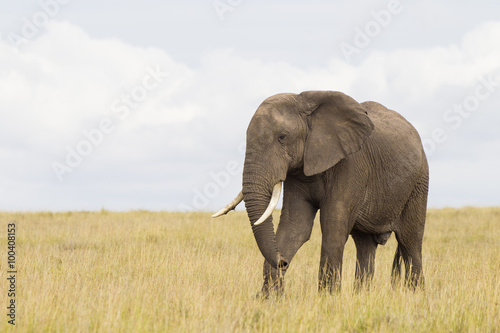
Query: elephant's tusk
point(232, 205)
point(272, 204)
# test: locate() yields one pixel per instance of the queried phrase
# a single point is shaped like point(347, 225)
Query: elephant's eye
point(281, 138)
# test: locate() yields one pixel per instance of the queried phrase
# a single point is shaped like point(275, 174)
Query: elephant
point(361, 165)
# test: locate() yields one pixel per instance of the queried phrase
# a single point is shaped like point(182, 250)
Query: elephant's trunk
point(257, 195)
point(272, 204)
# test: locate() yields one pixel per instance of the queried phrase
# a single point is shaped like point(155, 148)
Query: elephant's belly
point(378, 218)
point(381, 209)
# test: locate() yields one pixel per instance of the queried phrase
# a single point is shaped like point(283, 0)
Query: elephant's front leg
point(273, 280)
point(294, 229)
point(366, 246)
point(330, 271)
point(335, 234)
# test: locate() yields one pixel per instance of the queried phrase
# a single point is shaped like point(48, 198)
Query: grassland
point(183, 272)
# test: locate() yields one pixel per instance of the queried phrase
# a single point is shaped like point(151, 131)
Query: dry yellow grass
point(183, 272)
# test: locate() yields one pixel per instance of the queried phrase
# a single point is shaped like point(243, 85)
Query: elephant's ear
point(338, 126)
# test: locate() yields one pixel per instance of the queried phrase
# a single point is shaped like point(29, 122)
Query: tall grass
point(183, 272)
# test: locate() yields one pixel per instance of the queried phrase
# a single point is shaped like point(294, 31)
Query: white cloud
point(65, 82)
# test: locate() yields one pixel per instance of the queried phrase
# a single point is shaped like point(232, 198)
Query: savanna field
point(184, 272)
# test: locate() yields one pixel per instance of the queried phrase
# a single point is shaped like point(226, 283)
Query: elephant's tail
point(396, 266)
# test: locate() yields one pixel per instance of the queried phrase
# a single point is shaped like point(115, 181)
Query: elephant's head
point(311, 131)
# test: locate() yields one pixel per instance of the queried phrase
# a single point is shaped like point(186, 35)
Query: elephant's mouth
point(272, 204)
point(273, 257)
point(239, 198)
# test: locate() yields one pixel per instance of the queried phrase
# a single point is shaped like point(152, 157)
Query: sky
point(126, 105)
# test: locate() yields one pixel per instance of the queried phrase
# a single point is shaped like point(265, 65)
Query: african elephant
point(362, 165)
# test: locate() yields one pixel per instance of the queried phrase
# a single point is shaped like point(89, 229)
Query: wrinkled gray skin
point(361, 165)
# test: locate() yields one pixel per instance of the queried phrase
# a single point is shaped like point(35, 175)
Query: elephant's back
point(394, 133)
point(389, 121)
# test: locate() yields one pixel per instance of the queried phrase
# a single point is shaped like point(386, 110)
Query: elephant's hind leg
point(366, 246)
point(396, 268)
point(410, 236)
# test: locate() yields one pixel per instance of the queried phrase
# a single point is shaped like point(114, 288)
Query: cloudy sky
point(144, 105)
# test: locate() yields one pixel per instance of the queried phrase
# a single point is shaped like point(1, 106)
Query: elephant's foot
point(415, 281)
point(271, 288)
point(330, 287)
point(362, 283)
point(330, 279)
